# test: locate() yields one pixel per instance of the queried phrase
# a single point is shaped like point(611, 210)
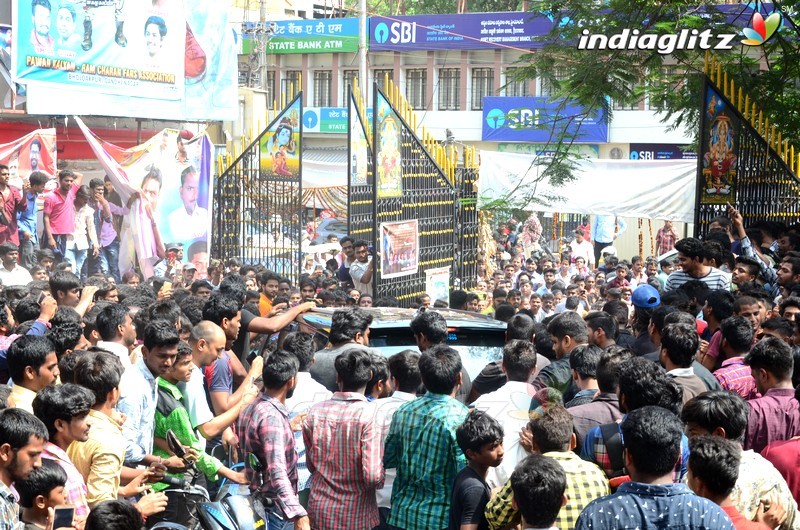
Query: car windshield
point(476, 347)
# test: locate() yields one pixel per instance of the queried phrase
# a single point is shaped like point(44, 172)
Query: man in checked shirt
point(264, 430)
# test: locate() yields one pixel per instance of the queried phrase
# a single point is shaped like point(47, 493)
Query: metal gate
point(414, 207)
point(742, 160)
point(360, 180)
point(258, 205)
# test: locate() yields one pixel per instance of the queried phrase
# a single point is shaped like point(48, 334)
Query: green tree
point(672, 82)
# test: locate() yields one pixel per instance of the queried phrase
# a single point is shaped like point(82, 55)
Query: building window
point(630, 101)
point(449, 89)
point(290, 84)
point(348, 78)
point(379, 76)
point(549, 86)
point(516, 87)
point(322, 88)
point(416, 86)
point(482, 85)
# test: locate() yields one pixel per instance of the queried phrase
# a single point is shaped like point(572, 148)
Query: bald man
point(208, 342)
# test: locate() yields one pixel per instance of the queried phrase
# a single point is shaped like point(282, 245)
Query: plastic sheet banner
point(173, 175)
point(658, 189)
point(178, 60)
point(36, 151)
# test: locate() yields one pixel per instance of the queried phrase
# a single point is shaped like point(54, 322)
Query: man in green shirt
point(422, 445)
point(171, 414)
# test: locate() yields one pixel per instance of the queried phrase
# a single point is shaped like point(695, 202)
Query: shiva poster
point(280, 144)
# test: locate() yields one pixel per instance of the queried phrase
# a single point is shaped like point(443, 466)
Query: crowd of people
point(630, 394)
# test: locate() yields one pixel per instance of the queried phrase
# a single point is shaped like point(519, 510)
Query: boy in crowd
point(480, 437)
point(41, 491)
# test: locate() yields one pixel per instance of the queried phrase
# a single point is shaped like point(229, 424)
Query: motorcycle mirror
point(255, 463)
point(175, 444)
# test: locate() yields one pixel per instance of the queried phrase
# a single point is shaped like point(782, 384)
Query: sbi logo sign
point(396, 33)
point(521, 118)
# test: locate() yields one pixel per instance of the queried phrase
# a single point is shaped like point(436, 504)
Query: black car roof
point(396, 317)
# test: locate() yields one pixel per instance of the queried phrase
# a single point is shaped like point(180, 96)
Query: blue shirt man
point(652, 440)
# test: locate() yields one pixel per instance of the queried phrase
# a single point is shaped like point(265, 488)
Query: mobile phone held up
point(63, 517)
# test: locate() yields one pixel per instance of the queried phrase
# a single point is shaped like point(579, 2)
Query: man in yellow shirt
point(99, 459)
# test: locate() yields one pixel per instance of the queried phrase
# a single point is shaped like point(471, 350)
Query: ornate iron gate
point(258, 205)
point(360, 181)
point(742, 160)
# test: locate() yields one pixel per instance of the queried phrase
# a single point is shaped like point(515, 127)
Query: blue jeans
point(76, 259)
point(108, 261)
point(275, 521)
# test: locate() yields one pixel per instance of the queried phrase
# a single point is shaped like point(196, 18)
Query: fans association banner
point(36, 151)
point(172, 174)
point(163, 59)
point(108, 46)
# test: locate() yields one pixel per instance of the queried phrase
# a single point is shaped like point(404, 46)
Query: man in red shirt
point(11, 202)
point(59, 211)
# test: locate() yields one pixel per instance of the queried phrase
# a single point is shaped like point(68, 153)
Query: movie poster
point(36, 151)
point(719, 145)
point(388, 160)
point(437, 283)
point(280, 146)
point(399, 248)
point(359, 152)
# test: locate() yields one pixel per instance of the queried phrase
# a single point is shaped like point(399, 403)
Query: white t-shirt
point(357, 271)
point(583, 249)
point(195, 402)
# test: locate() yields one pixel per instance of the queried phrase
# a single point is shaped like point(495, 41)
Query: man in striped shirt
point(422, 445)
point(343, 450)
point(690, 261)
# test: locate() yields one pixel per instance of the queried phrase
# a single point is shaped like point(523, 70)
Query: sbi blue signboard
point(471, 31)
point(534, 119)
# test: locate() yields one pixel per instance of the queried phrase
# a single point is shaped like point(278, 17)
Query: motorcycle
point(190, 507)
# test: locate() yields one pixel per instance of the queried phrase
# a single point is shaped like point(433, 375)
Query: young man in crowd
point(64, 410)
point(426, 472)
point(22, 439)
point(265, 431)
point(679, 343)
point(349, 330)
point(480, 438)
point(758, 483)
point(652, 446)
point(550, 434)
point(734, 375)
point(775, 415)
point(406, 382)
point(33, 366)
point(343, 450)
point(713, 470)
point(505, 403)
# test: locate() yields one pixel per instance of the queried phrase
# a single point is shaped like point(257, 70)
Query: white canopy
point(660, 189)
